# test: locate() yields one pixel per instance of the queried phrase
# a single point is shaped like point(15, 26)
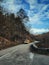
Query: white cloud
point(17, 1)
point(9, 6)
point(34, 18)
point(13, 6)
point(31, 1)
point(9, 1)
point(38, 31)
point(37, 18)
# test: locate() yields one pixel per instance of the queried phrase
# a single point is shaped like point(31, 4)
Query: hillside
point(5, 43)
point(44, 40)
point(12, 28)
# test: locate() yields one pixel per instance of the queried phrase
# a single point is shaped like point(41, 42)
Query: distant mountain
point(44, 40)
point(44, 36)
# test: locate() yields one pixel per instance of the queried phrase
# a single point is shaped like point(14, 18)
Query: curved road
point(21, 55)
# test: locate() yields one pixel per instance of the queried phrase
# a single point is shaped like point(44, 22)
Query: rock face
point(21, 55)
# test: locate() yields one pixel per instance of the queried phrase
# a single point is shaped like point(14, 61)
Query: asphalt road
point(21, 55)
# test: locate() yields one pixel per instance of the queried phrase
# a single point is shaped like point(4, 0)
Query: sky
point(37, 11)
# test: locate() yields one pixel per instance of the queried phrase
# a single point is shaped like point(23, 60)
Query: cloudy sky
point(37, 10)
